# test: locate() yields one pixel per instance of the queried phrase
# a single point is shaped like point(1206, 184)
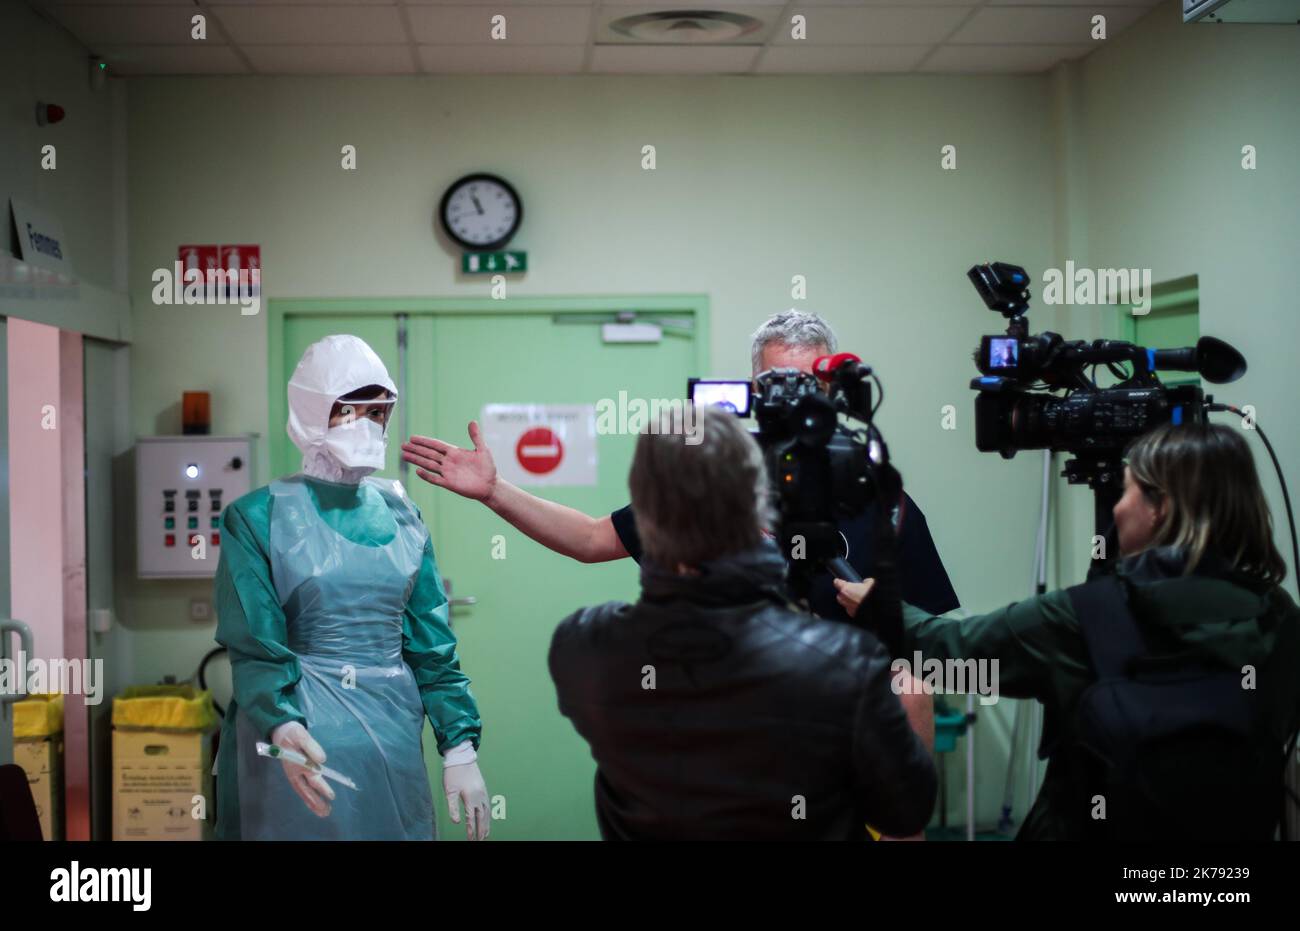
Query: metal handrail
point(10, 625)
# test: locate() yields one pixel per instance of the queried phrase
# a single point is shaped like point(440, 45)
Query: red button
point(216, 539)
point(195, 538)
point(170, 539)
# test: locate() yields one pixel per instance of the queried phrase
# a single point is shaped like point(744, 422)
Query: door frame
point(279, 309)
point(1174, 293)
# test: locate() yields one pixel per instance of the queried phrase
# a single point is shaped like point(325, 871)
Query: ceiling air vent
point(686, 27)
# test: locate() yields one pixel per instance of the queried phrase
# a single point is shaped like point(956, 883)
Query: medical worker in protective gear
point(330, 603)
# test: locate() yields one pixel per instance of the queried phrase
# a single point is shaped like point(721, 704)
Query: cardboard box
point(156, 778)
point(42, 761)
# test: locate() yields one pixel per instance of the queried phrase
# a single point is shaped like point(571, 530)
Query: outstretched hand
point(470, 473)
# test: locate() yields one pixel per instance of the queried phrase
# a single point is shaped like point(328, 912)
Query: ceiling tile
point(816, 59)
point(1004, 59)
point(172, 59)
point(472, 25)
point(1142, 3)
point(498, 59)
point(654, 59)
point(1046, 25)
point(876, 25)
point(331, 59)
point(301, 2)
point(313, 24)
point(56, 4)
point(817, 3)
point(136, 24)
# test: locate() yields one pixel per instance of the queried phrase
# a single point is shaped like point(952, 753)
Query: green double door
point(536, 767)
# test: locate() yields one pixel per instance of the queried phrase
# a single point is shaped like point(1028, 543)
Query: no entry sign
point(542, 444)
point(539, 450)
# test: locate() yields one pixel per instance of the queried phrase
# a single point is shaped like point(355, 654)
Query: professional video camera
point(820, 469)
point(1019, 407)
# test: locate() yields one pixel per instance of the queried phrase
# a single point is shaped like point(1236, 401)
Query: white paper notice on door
point(542, 444)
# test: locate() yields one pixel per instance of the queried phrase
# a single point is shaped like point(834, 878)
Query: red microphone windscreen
point(824, 366)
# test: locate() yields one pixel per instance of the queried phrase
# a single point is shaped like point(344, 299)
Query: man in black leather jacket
point(714, 709)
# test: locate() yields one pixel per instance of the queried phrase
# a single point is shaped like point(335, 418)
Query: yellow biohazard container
point(162, 763)
point(164, 708)
point(38, 716)
point(38, 749)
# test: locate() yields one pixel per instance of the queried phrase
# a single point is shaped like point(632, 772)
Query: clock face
point(481, 212)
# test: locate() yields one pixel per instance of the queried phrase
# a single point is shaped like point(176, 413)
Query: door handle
point(8, 626)
point(452, 602)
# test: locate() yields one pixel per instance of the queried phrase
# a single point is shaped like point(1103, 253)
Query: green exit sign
point(487, 263)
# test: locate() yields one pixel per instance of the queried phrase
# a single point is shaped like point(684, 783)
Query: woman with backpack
point(1171, 690)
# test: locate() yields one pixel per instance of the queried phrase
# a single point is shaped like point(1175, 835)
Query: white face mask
point(358, 444)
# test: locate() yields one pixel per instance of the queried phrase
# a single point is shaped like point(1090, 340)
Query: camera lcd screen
point(733, 396)
point(1004, 353)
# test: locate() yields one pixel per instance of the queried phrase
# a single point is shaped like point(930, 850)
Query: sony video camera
point(1040, 392)
point(820, 469)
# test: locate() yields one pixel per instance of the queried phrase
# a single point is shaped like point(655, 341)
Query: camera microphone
point(825, 367)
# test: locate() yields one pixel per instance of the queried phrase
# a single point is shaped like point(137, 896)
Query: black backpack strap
point(1108, 626)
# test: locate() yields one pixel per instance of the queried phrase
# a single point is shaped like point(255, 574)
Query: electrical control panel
point(182, 484)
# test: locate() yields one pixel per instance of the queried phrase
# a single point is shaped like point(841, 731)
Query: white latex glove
point(311, 787)
point(463, 782)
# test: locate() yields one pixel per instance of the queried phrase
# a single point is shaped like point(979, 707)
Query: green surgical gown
point(257, 629)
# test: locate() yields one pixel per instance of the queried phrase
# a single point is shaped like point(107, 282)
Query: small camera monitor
point(1003, 354)
point(733, 396)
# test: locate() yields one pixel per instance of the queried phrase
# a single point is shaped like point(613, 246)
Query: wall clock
point(481, 212)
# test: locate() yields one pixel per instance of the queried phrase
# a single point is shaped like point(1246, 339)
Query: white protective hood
point(330, 368)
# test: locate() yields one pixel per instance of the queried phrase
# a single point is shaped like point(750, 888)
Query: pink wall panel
point(47, 521)
point(36, 484)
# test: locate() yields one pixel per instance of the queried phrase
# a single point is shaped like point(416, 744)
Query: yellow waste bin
point(38, 749)
point(162, 763)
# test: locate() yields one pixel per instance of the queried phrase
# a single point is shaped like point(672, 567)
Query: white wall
point(1169, 108)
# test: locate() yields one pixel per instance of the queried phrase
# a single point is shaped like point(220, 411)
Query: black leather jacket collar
point(731, 579)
